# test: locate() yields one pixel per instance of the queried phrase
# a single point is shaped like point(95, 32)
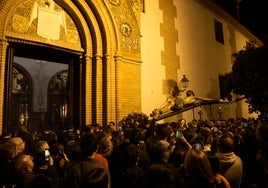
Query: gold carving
point(20, 23)
point(31, 18)
point(125, 29)
point(115, 2)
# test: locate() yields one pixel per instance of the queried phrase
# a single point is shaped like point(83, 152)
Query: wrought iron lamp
point(184, 83)
point(181, 88)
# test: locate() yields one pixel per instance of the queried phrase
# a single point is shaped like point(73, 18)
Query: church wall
point(184, 31)
point(137, 55)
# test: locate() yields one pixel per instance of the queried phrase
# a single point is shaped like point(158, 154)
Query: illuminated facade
point(120, 56)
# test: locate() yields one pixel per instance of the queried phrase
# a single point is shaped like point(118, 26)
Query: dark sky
point(253, 14)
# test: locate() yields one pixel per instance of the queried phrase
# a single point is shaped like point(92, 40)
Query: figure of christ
point(170, 104)
point(175, 103)
point(191, 99)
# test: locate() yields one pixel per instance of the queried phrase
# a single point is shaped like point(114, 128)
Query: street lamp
point(184, 83)
point(183, 86)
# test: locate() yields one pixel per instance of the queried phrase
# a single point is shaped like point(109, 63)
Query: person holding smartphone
point(44, 165)
point(181, 138)
point(178, 133)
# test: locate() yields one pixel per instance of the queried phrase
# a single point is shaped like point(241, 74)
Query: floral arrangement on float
point(135, 120)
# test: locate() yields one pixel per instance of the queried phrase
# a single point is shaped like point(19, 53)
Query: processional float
point(176, 105)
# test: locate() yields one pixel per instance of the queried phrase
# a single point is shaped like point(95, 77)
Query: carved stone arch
point(99, 93)
point(97, 41)
point(83, 17)
point(106, 48)
point(103, 63)
point(8, 32)
point(109, 32)
point(116, 55)
point(82, 24)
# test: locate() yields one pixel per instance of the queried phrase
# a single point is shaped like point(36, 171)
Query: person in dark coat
point(88, 172)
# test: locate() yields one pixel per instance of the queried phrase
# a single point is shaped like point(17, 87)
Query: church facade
point(74, 63)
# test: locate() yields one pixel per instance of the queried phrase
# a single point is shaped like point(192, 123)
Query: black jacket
point(87, 173)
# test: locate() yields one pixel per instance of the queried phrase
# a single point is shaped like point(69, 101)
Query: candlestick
point(220, 112)
point(26, 114)
point(21, 117)
point(64, 111)
point(200, 113)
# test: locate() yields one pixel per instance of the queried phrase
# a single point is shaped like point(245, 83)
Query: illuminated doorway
point(47, 95)
point(58, 101)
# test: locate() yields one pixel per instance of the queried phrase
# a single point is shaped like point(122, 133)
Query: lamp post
point(183, 86)
point(184, 83)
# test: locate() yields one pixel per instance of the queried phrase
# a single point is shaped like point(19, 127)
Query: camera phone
point(47, 155)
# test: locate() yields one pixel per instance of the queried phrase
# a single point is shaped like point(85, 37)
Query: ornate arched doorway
point(99, 45)
point(41, 71)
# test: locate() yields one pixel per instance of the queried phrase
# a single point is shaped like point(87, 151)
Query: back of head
point(206, 133)
point(88, 144)
point(159, 152)
point(225, 144)
point(162, 131)
point(130, 155)
point(178, 154)
point(214, 161)
point(41, 145)
point(20, 144)
point(160, 176)
point(22, 164)
point(71, 136)
point(134, 135)
point(98, 178)
point(7, 151)
point(197, 165)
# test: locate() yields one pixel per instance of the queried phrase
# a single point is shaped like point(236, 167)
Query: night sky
point(253, 14)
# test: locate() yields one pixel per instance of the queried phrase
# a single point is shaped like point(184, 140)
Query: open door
point(42, 91)
point(58, 100)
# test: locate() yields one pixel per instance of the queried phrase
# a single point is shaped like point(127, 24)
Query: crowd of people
point(229, 153)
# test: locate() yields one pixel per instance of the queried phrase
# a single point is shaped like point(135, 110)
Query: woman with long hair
point(198, 170)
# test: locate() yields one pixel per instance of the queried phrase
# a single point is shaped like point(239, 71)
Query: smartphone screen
point(47, 155)
point(178, 134)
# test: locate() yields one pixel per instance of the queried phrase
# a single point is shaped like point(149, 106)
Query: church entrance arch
point(99, 46)
point(42, 64)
